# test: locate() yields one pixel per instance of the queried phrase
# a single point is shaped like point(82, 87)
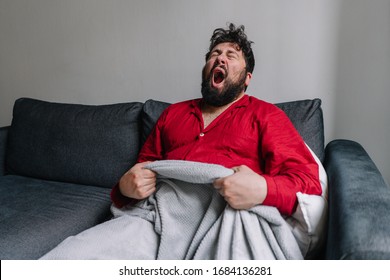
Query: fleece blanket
point(186, 218)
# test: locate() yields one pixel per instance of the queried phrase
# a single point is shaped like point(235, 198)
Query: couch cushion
point(84, 144)
point(36, 215)
point(151, 111)
point(306, 115)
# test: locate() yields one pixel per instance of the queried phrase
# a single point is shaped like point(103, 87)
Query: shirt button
point(201, 134)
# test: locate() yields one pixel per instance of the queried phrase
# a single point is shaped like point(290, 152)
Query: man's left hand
point(243, 189)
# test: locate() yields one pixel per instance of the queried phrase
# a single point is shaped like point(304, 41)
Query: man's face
point(224, 75)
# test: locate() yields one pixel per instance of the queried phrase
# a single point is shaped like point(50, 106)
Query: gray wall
point(99, 51)
point(362, 88)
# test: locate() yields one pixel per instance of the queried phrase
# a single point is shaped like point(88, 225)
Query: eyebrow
point(216, 50)
point(229, 51)
point(233, 52)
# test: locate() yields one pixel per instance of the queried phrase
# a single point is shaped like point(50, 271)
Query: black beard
point(229, 93)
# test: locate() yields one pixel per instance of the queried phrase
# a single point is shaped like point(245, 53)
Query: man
point(271, 162)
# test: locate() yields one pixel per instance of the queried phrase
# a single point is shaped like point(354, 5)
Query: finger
point(149, 182)
point(148, 174)
point(146, 190)
point(141, 194)
point(218, 183)
point(238, 168)
point(149, 189)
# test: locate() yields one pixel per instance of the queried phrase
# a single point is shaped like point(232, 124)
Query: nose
point(221, 59)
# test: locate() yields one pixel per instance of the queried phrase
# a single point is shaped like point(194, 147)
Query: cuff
point(119, 199)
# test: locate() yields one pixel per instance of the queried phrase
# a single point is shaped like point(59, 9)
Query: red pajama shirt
point(250, 132)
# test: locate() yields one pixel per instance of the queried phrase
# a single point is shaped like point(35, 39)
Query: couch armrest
point(359, 204)
point(3, 146)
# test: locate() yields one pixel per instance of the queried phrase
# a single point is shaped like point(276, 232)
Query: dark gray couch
point(58, 163)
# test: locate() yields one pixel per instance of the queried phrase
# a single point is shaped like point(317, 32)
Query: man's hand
point(138, 182)
point(243, 189)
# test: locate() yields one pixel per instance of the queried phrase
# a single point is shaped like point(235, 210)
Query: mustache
point(218, 65)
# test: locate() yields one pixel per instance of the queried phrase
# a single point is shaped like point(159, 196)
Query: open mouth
point(218, 76)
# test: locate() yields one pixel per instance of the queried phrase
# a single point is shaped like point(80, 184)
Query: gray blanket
point(185, 219)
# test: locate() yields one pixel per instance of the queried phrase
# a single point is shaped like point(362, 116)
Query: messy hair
point(234, 35)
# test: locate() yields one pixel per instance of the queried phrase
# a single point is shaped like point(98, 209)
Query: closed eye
point(232, 55)
point(215, 53)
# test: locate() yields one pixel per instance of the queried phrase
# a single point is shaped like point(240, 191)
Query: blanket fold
point(197, 223)
point(189, 220)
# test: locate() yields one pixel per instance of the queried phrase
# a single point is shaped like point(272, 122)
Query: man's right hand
point(138, 182)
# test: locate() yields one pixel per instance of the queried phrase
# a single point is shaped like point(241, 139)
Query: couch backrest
point(95, 145)
point(91, 145)
point(306, 115)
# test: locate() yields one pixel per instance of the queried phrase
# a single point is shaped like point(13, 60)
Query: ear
point(248, 78)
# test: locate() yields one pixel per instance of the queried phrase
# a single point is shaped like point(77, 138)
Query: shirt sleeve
point(288, 164)
point(152, 150)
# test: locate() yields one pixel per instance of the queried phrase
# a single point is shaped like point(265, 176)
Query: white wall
point(99, 51)
point(362, 98)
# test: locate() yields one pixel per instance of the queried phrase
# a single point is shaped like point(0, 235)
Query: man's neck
point(210, 113)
